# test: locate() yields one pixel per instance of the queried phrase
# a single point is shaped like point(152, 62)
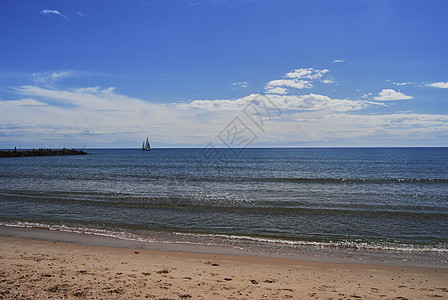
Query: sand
point(43, 269)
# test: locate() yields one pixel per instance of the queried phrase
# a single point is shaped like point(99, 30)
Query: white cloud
point(97, 117)
point(286, 102)
point(389, 94)
point(441, 85)
point(6, 104)
point(329, 128)
point(341, 129)
point(298, 79)
point(338, 61)
point(217, 105)
point(402, 83)
point(327, 81)
point(415, 121)
point(50, 77)
point(298, 84)
point(307, 73)
point(55, 12)
point(242, 84)
point(59, 75)
point(81, 14)
point(317, 102)
point(88, 99)
point(277, 90)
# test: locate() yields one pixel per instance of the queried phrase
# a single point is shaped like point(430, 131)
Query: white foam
point(140, 238)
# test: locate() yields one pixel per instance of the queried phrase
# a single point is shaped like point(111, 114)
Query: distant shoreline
point(41, 152)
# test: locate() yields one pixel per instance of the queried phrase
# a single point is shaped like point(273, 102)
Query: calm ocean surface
point(372, 198)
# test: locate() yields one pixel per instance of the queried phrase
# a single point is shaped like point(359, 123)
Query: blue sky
point(110, 73)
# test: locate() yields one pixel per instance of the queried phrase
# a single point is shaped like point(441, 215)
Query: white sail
point(146, 146)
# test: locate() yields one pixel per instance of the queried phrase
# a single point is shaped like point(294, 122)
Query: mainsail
point(146, 146)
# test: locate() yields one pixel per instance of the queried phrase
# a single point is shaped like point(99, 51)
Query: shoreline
point(37, 269)
point(187, 243)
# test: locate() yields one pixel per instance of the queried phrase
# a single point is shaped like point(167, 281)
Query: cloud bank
point(104, 117)
point(286, 102)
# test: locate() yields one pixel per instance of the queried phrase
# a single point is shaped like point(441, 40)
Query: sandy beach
point(44, 269)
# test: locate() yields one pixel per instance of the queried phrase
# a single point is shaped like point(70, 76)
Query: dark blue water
point(382, 198)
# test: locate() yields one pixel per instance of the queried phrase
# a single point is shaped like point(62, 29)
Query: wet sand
point(44, 269)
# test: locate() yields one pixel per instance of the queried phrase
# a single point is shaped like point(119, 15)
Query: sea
point(374, 204)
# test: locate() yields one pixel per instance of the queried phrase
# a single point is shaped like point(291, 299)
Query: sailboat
point(146, 146)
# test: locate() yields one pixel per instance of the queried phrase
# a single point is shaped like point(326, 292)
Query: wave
point(357, 180)
point(349, 244)
point(201, 203)
point(221, 203)
point(321, 180)
point(235, 240)
point(223, 177)
point(78, 229)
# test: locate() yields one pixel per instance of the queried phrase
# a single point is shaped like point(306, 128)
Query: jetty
point(41, 152)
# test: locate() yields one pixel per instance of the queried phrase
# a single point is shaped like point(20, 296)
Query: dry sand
point(41, 269)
